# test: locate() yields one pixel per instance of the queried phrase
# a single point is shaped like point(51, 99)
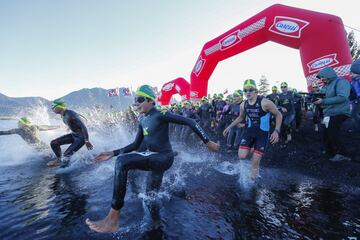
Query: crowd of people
point(244, 121)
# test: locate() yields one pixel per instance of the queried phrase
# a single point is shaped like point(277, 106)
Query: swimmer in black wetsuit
point(29, 133)
point(287, 107)
point(77, 138)
point(274, 96)
point(256, 135)
point(153, 133)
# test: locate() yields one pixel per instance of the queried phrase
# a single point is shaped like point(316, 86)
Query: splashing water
point(200, 196)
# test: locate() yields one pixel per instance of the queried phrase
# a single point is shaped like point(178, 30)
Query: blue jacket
point(356, 84)
point(336, 102)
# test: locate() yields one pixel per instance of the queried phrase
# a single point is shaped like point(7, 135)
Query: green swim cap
point(59, 103)
point(221, 96)
point(284, 84)
point(25, 121)
point(187, 103)
point(146, 91)
point(238, 93)
point(274, 88)
point(229, 97)
point(250, 83)
point(204, 99)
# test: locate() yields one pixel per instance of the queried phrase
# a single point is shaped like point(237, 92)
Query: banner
point(125, 91)
point(113, 92)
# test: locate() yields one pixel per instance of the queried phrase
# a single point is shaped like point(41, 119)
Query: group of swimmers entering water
point(153, 132)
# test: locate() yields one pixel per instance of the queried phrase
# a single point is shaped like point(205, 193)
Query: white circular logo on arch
point(229, 40)
point(168, 87)
point(199, 66)
point(287, 26)
point(321, 62)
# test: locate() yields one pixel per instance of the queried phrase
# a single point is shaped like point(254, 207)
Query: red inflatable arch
point(178, 85)
point(320, 38)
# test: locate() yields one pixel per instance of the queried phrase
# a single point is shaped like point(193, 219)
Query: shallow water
point(204, 196)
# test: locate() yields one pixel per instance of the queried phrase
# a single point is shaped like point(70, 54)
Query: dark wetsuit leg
point(78, 142)
point(154, 180)
point(239, 132)
point(56, 143)
point(158, 163)
point(231, 137)
point(286, 127)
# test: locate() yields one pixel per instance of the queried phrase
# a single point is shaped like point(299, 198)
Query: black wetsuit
point(234, 136)
point(298, 104)
point(316, 109)
point(76, 138)
point(153, 133)
point(274, 97)
point(286, 100)
point(205, 115)
point(256, 133)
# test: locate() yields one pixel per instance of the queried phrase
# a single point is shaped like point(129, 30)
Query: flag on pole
point(125, 91)
point(225, 91)
point(113, 92)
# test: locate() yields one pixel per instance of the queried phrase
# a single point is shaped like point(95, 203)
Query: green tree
point(354, 46)
point(263, 85)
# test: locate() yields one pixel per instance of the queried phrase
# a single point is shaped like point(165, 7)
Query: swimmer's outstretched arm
point(47, 127)
point(9, 132)
point(8, 118)
point(104, 156)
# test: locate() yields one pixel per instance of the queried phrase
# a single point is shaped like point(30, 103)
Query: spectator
point(336, 108)
point(355, 74)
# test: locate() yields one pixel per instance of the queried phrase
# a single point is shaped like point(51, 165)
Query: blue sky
point(50, 48)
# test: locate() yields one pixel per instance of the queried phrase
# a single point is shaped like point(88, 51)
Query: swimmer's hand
point(104, 156)
point(226, 131)
point(88, 145)
point(274, 137)
point(213, 146)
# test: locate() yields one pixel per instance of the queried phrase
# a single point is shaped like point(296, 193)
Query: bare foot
point(53, 163)
point(110, 224)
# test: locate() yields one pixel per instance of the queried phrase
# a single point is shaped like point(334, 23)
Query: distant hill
point(12, 106)
point(82, 100)
point(89, 98)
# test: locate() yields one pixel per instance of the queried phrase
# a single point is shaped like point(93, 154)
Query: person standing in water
point(77, 138)
point(153, 133)
point(256, 134)
point(29, 132)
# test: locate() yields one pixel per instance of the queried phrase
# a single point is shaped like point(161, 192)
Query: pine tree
point(263, 86)
point(354, 46)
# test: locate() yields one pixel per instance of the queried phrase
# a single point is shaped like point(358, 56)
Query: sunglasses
point(249, 90)
point(140, 99)
point(284, 87)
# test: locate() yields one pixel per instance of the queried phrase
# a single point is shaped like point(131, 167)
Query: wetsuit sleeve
point(132, 146)
point(196, 116)
point(46, 127)
point(9, 132)
point(172, 118)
